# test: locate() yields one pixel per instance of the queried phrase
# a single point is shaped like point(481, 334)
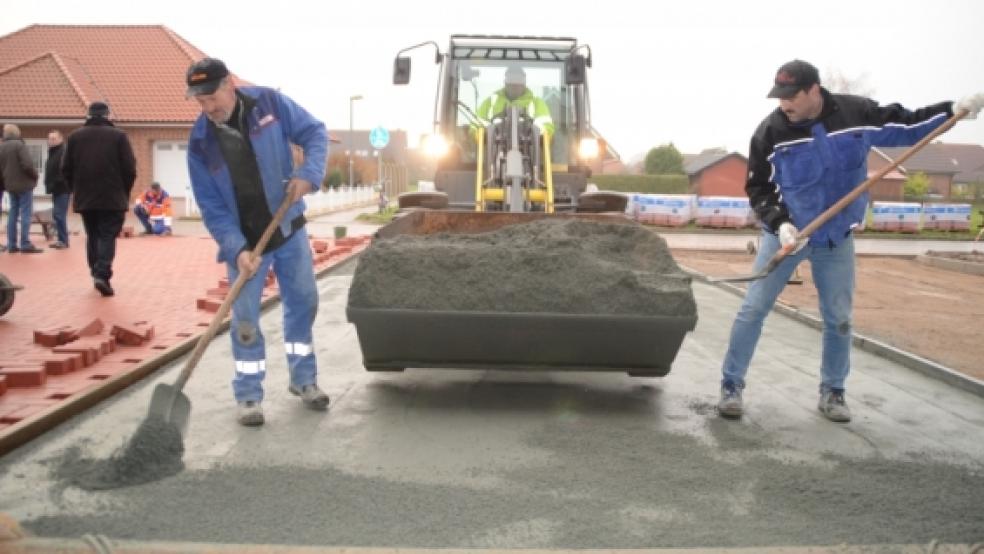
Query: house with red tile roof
point(949, 167)
point(717, 172)
point(49, 74)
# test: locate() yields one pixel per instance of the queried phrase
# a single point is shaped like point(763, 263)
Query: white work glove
point(788, 234)
point(972, 104)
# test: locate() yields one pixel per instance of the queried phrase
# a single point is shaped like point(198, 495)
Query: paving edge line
point(27, 429)
point(868, 344)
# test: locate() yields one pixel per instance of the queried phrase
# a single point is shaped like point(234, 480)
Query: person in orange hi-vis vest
point(153, 209)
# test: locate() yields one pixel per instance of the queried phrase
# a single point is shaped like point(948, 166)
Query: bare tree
point(836, 81)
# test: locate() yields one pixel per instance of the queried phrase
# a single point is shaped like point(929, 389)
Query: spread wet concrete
point(154, 452)
point(511, 459)
point(666, 490)
point(554, 266)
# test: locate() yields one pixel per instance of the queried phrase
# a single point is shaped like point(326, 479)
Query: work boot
point(833, 406)
point(250, 413)
point(311, 395)
point(730, 405)
point(102, 285)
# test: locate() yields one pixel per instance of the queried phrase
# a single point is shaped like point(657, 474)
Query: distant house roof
point(56, 71)
point(694, 164)
point(938, 157)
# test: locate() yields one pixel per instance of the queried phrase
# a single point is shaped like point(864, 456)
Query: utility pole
point(352, 99)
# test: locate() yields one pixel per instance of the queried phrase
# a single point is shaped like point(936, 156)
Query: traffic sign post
point(379, 137)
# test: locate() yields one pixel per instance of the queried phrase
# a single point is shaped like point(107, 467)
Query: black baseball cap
point(205, 75)
point(793, 77)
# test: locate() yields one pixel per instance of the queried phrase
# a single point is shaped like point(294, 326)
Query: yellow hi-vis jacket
point(535, 107)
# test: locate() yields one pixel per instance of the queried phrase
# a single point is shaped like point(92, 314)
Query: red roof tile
point(54, 71)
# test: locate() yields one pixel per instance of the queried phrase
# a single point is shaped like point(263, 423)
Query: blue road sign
point(379, 138)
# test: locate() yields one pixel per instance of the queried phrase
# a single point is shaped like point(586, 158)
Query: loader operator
point(804, 156)
point(241, 167)
point(515, 93)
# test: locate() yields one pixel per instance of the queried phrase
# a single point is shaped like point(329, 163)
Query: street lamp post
point(352, 100)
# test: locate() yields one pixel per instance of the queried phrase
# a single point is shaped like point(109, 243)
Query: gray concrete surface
point(444, 458)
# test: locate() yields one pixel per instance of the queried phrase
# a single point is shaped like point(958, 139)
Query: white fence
point(318, 203)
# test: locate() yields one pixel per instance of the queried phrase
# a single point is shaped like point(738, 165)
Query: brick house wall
point(725, 178)
point(141, 139)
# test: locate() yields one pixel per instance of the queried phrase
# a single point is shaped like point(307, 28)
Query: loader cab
point(473, 69)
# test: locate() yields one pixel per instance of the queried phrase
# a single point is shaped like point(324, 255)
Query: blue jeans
point(293, 267)
point(21, 210)
point(59, 213)
point(833, 274)
point(144, 218)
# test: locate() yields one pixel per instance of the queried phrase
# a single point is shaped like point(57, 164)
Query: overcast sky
point(691, 72)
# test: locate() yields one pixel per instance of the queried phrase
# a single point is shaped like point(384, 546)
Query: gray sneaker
point(250, 413)
point(730, 405)
point(833, 406)
point(311, 395)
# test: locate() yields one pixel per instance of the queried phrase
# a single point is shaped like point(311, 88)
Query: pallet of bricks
point(946, 217)
point(729, 212)
point(898, 217)
point(667, 210)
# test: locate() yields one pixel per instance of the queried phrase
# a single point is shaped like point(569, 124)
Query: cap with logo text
point(205, 75)
point(793, 77)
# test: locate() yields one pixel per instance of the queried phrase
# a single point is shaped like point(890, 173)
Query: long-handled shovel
point(168, 403)
point(830, 212)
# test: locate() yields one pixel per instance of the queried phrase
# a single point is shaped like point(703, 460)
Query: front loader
point(496, 172)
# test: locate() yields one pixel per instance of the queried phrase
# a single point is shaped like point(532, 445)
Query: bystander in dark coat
point(100, 168)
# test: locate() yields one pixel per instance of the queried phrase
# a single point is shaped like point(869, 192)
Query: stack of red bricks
point(55, 361)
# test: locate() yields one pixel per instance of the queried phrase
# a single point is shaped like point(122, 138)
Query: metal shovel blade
point(171, 405)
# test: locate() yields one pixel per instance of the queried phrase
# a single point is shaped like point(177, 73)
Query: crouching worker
point(153, 209)
point(239, 158)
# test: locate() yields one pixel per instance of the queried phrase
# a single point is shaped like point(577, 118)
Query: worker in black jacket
point(100, 168)
point(804, 157)
point(59, 189)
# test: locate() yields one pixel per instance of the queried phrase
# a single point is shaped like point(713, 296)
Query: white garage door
point(171, 167)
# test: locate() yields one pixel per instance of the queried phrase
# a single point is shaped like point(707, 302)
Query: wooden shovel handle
point(213, 327)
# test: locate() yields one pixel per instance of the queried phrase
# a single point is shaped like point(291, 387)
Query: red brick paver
point(63, 346)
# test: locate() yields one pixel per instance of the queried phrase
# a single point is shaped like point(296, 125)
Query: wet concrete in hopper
point(552, 266)
point(654, 488)
point(153, 453)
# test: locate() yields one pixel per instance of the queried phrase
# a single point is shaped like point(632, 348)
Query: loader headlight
point(436, 146)
point(588, 148)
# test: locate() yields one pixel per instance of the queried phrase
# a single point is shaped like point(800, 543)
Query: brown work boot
point(250, 413)
point(312, 396)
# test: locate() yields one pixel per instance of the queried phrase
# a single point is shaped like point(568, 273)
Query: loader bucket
point(394, 336)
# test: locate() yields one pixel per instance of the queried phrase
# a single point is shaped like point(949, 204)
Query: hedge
point(645, 184)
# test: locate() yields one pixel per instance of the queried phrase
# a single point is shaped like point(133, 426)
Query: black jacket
point(849, 125)
point(99, 166)
point(54, 182)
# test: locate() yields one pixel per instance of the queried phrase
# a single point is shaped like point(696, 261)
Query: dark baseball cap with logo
point(205, 75)
point(793, 77)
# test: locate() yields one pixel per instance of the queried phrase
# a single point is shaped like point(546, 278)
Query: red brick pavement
point(64, 347)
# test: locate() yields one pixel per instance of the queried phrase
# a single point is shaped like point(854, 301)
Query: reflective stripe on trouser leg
point(759, 300)
point(247, 339)
point(299, 293)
